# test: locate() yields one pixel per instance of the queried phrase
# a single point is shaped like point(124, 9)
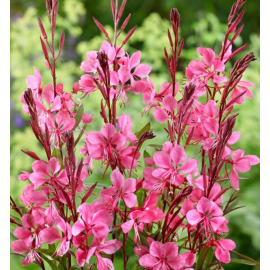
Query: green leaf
point(146, 154)
point(208, 259)
point(56, 153)
point(78, 116)
point(157, 147)
point(16, 219)
point(182, 239)
point(140, 197)
point(201, 258)
point(145, 128)
point(74, 267)
point(44, 251)
point(50, 263)
point(12, 237)
point(246, 258)
point(51, 248)
point(241, 261)
point(134, 267)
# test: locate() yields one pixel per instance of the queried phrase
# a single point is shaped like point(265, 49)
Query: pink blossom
point(84, 253)
point(128, 157)
point(29, 239)
point(140, 70)
point(51, 235)
point(31, 197)
point(91, 64)
point(172, 163)
point(47, 173)
point(53, 103)
point(209, 213)
point(241, 164)
point(87, 118)
point(24, 176)
point(125, 127)
point(241, 87)
point(162, 256)
point(103, 144)
point(142, 215)
point(88, 84)
point(207, 67)
point(204, 122)
point(111, 51)
point(62, 122)
point(223, 246)
point(169, 104)
point(198, 193)
point(121, 189)
point(94, 220)
point(33, 82)
point(20, 247)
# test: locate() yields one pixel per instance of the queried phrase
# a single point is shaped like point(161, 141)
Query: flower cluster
point(173, 214)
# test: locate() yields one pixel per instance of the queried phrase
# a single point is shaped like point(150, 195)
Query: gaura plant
point(174, 215)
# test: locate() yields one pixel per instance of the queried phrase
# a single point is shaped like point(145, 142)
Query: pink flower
point(121, 189)
point(20, 247)
point(109, 247)
point(33, 82)
point(142, 215)
point(103, 144)
point(198, 193)
point(223, 246)
point(140, 70)
point(204, 122)
point(31, 197)
point(88, 84)
point(87, 118)
point(125, 127)
point(84, 253)
point(120, 79)
point(94, 220)
point(241, 87)
point(91, 64)
point(62, 122)
point(147, 89)
point(143, 250)
point(29, 239)
point(53, 103)
point(241, 164)
point(51, 235)
point(207, 212)
point(162, 256)
point(207, 67)
point(111, 51)
point(169, 104)
point(66, 98)
point(127, 157)
point(47, 172)
point(168, 162)
point(24, 176)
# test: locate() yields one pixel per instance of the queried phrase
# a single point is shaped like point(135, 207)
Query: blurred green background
point(203, 23)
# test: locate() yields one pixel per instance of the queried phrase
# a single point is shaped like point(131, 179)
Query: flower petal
point(188, 166)
point(142, 70)
point(19, 247)
point(50, 235)
point(193, 217)
point(160, 115)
